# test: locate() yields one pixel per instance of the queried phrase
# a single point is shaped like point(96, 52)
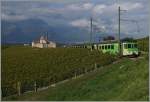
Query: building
point(43, 43)
point(26, 44)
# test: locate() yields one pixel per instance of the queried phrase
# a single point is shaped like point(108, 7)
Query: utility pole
point(91, 21)
point(119, 42)
point(119, 47)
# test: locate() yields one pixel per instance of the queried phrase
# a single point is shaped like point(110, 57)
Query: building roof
point(106, 42)
point(42, 38)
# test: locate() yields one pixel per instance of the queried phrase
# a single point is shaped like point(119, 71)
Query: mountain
point(22, 31)
point(27, 30)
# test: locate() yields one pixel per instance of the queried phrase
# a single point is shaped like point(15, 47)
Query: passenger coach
point(127, 48)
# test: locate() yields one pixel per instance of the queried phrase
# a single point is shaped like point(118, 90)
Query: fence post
point(95, 66)
point(75, 75)
point(19, 88)
point(35, 86)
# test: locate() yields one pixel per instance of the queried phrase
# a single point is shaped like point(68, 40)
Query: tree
point(128, 39)
point(108, 38)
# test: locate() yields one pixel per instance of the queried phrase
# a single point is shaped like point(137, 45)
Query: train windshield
point(129, 45)
point(135, 45)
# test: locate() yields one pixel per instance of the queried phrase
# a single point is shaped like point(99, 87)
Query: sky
point(77, 13)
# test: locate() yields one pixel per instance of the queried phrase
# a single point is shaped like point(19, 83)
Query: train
point(126, 48)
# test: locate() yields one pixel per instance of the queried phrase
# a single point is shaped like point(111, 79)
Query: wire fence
point(22, 87)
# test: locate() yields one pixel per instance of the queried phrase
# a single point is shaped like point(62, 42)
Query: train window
point(108, 46)
point(99, 47)
point(105, 46)
point(125, 46)
point(129, 45)
point(132, 45)
point(112, 46)
point(102, 47)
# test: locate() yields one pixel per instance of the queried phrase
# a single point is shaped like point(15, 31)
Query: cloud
point(102, 8)
point(13, 17)
point(45, 11)
point(47, 1)
point(80, 23)
point(87, 6)
point(130, 6)
point(77, 13)
point(85, 24)
point(99, 8)
point(78, 7)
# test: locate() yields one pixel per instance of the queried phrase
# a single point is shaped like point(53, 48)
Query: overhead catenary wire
point(134, 21)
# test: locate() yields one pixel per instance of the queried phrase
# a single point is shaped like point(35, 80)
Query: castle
point(43, 43)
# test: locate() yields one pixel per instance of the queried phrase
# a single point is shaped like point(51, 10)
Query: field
point(125, 80)
point(26, 68)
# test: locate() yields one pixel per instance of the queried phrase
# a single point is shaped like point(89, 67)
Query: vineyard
point(125, 80)
point(25, 68)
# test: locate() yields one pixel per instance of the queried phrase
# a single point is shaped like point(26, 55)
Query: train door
point(95, 46)
point(92, 47)
point(121, 50)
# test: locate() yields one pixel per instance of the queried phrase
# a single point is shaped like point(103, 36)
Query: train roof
point(106, 42)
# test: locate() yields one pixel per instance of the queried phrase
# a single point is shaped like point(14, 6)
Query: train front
point(130, 49)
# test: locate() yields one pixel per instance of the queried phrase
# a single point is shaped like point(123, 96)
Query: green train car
point(127, 48)
point(130, 49)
